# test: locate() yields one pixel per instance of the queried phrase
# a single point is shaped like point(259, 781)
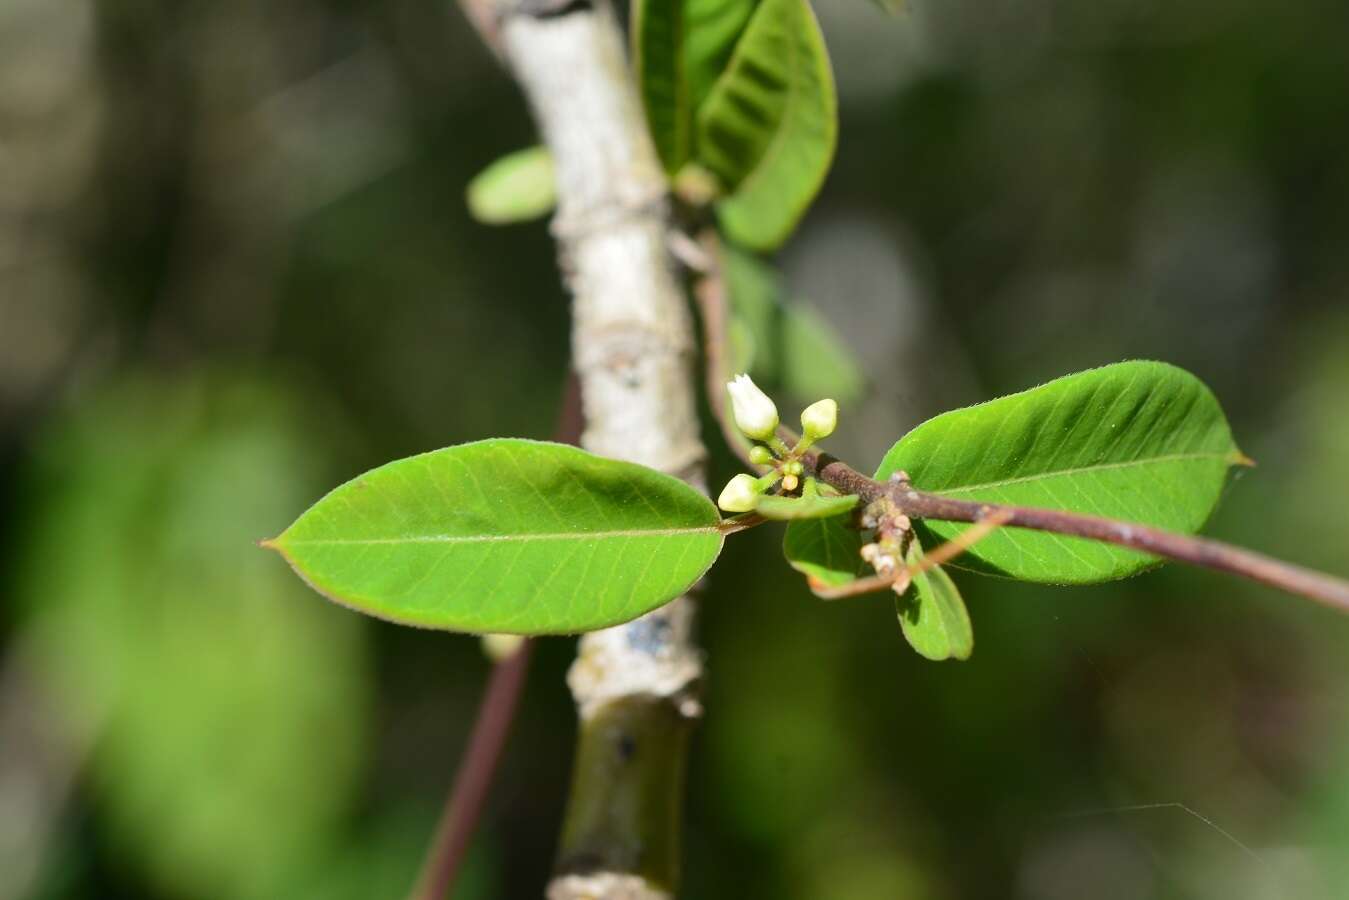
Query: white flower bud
point(755, 414)
point(741, 494)
point(819, 419)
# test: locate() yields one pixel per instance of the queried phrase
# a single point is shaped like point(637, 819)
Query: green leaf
point(932, 613)
point(815, 361)
point(711, 29)
point(825, 549)
point(658, 57)
point(786, 509)
point(754, 289)
point(516, 188)
point(1138, 441)
point(769, 126)
point(197, 675)
point(513, 536)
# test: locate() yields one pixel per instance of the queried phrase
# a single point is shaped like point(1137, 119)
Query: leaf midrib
point(1058, 473)
point(509, 538)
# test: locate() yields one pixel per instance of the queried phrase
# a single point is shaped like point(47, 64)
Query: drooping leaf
point(786, 509)
point(825, 549)
point(815, 361)
point(513, 536)
point(932, 613)
point(518, 187)
point(680, 48)
point(769, 126)
point(711, 29)
point(1138, 441)
point(658, 58)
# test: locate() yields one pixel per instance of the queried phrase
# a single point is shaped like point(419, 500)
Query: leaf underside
point(769, 126)
point(825, 549)
point(506, 535)
point(932, 613)
point(1140, 442)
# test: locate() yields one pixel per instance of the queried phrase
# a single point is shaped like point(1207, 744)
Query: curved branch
point(1197, 551)
point(474, 778)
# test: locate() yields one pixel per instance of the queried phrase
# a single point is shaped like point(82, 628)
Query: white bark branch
point(633, 348)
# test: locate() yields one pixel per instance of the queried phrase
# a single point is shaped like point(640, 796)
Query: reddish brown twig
point(1326, 589)
point(474, 778)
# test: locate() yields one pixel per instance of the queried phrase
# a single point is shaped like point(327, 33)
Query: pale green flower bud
point(760, 456)
point(755, 414)
point(741, 494)
point(819, 419)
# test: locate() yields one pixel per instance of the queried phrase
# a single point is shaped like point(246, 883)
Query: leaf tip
point(1241, 459)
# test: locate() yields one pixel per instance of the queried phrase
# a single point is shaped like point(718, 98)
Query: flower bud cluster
point(757, 418)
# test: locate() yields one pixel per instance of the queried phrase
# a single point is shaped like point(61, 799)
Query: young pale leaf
point(513, 536)
point(786, 509)
point(932, 613)
point(769, 126)
point(517, 187)
point(826, 550)
point(1138, 441)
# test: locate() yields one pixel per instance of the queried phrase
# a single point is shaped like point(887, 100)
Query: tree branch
point(1326, 589)
point(474, 778)
point(632, 344)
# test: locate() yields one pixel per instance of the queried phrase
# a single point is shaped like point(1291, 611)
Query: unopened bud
point(755, 414)
point(741, 494)
point(819, 420)
point(760, 456)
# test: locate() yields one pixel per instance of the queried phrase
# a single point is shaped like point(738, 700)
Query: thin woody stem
point(1326, 589)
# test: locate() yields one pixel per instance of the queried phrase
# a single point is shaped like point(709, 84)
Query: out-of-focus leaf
point(208, 679)
point(786, 509)
point(1138, 441)
point(754, 291)
point(512, 536)
point(826, 550)
point(815, 361)
point(769, 126)
point(658, 57)
point(932, 613)
point(711, 29)
point(518, 187)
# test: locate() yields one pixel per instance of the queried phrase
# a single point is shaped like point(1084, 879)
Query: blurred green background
point(236, 269)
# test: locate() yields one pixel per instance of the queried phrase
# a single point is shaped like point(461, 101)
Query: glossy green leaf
point(517, 187)
point(1138, 441)
point(932, 613)
point(825, 549)
point(769, 126)
point(786, 509)
point(514, 536)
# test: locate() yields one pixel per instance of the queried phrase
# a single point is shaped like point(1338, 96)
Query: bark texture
point(633, 349)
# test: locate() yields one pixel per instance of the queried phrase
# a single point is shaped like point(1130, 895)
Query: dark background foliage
point(236, 268)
